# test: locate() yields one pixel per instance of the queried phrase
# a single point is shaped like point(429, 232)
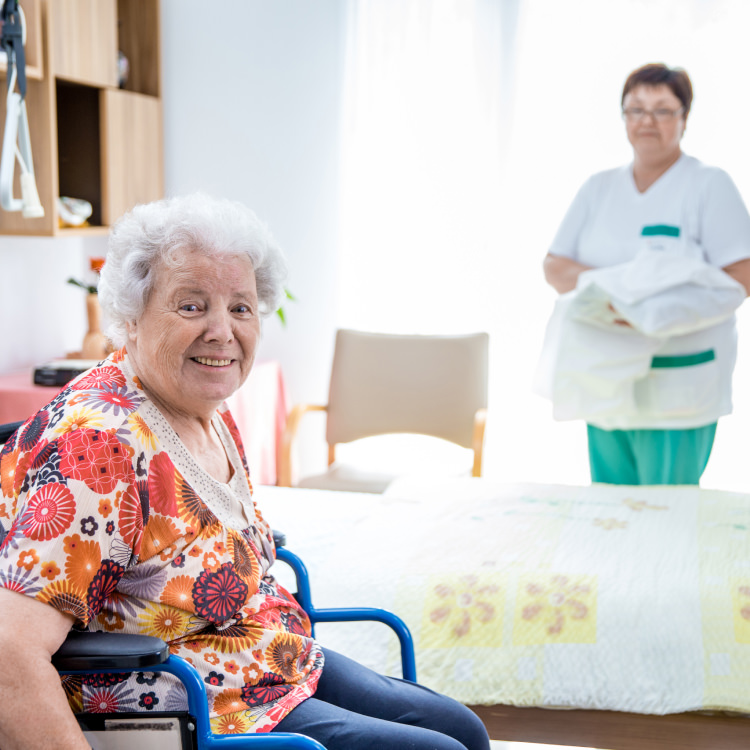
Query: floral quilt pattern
point(515, 595)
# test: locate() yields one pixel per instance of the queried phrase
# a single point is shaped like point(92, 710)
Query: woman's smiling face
point(195, 343)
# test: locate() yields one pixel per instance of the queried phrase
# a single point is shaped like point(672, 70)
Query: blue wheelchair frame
point(91, 653)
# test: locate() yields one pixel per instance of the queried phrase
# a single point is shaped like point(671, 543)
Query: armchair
point(385, 384)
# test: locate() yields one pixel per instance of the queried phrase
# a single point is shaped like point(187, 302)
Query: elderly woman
point(671, 202)
point(127, 507)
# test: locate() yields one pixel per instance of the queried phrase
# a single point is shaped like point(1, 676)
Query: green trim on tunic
point(660, 230)
point(684, 360)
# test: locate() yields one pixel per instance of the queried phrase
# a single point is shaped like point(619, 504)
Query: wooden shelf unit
point(90, 138)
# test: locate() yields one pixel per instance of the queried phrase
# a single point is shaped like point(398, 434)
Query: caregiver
point(696, 210)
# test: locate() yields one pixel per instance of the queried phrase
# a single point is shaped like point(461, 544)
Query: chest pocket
point(679, 386)
point(671, 239)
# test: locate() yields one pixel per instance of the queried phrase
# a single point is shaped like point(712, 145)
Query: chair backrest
point(429, 385)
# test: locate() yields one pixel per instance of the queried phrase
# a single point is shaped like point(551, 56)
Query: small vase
point(94, 343)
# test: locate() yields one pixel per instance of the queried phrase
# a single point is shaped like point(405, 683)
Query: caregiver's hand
point(619, 321)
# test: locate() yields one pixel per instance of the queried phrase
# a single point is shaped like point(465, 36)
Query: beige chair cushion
point(370, 465)
point(347, 478)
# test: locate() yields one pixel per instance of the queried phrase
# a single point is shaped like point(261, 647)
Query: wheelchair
point(85, 653)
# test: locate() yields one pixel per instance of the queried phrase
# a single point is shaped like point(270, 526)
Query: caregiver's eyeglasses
point(635, 114)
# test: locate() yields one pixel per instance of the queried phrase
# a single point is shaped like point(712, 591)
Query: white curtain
point(468, 127)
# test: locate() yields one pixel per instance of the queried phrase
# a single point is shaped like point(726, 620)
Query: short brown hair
point(655, 74)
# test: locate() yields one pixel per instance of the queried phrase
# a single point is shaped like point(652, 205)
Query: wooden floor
point(500, 745)
point(615, 730)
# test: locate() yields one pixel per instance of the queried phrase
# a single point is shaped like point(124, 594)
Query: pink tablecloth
point(20, 398)
point(260, 410)
point(259, 407)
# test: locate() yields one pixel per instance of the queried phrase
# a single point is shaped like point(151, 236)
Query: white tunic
point(605, 227)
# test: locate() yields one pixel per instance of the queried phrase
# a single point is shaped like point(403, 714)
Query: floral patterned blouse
point(104, 515)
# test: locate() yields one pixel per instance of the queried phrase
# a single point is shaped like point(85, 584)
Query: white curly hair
point(158, 233)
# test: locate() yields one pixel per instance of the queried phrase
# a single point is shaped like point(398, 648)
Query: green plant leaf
point(280, 312)
point(90, 289)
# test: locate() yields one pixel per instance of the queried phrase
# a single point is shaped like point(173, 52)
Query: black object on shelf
point(60, 372)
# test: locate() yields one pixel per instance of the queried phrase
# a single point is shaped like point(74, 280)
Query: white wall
point(251, 94)
point(42, 316)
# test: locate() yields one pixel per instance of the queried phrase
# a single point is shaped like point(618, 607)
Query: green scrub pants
point(649, 456)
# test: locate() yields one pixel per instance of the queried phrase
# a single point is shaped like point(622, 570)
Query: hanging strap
point(12, 41)
point(16, 138)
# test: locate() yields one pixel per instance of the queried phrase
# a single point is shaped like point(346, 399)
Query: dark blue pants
point(355, 707)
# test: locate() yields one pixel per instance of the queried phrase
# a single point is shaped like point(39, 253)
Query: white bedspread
point(621, 598)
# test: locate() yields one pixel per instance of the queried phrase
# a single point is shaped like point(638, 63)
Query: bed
point(599, 616)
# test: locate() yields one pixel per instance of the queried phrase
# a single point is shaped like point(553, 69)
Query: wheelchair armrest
point(279, 538)
point(96, 651)
point(350, 614)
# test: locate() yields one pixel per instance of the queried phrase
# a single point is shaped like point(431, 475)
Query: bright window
point(469, 126)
